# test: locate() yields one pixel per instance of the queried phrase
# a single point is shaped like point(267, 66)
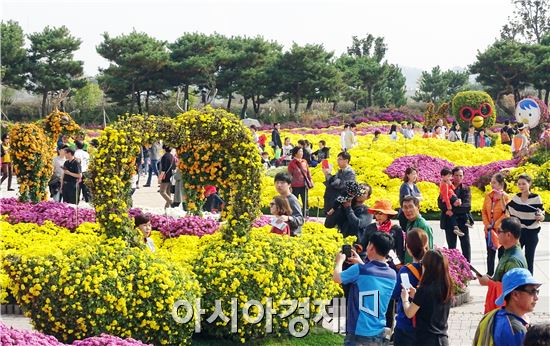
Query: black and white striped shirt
point(525, 211)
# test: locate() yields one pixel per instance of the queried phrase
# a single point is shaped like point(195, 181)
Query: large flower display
point(475, 108)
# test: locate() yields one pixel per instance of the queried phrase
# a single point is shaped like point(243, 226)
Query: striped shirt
point(525, 211)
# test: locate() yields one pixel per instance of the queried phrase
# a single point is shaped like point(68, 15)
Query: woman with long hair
point(431, 302)
point(301, 176)
point(393, 132)
point(528, 208)
point(408, 188)
point(417, 245)
point(492, 213)
point(278, 207)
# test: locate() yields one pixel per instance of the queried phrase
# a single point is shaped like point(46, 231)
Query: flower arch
point(214, 148)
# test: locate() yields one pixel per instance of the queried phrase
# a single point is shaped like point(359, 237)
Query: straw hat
point(383, 206)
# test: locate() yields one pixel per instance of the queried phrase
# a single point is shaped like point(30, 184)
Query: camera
point(346, 249)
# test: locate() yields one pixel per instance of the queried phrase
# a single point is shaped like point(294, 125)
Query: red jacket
point(296, 173)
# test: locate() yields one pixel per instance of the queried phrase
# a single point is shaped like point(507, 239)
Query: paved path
point(463, 320)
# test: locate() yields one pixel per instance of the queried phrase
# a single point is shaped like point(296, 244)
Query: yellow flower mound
point(105, 287)
point(369, 160)
point(266, 266)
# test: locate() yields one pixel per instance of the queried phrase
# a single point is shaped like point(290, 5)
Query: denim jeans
point(153, 169)
point(358, 340)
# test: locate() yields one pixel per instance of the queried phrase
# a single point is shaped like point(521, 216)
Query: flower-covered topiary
point(532, 112)
point(57, 123)
point(32, 157)
point(475, 108)
point(266, 266)
point(103, 288)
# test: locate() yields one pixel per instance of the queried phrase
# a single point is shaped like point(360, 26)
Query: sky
point(418, 33)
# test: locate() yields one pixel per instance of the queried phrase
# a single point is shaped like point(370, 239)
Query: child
point(279, 206)
point(213, 203)
point(143, 224)
point(265, 160)
point(448, 196)
point(353, 189)
point(376, 135)
point(426, 132)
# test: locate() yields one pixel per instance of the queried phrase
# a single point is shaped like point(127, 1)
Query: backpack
point(418, 276)
point(504, 136)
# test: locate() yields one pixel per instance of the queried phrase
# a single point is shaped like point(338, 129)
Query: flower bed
point(459, 268)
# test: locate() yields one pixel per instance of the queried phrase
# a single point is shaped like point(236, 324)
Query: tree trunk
point(256, 104)
point(309, 104)
point(132, 98)
point(186, 97)
point(290, 105)
point(147, 102)
point(369, 102)
point(44, 99)
point(245, 106)
point(138, 99)
point(296, 104)
point(546, 96)
point(229, 102)
point(540, 94)
point(334, 105)
point(355, 105)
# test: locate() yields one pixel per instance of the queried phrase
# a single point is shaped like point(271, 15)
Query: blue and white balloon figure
point(532, 112)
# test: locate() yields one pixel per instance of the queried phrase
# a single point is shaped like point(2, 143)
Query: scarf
point(385, 226)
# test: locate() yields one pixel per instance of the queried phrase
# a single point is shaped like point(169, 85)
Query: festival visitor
point(426, 132)
point(336, 184)
point(482, 140)
point(266, 161)
point(408, 188)
point(410, 208)
point(296, 220)
point(366, 318)
point(261, 141)
point(492, 214)
point(443, 133)
point(213, 203)
point(383, 212)
point(347, 137)
point(279, 207)
point(71, 176)
point(155, 155)
point(507, 133)
point(320, 154)
point(255, 136)
point(461, 213)
point(350, 214)
point(455, 135)
point(179, 194)
point(64, 142)
point(520, 142)
point(7, 168)
point(84, 158)
point(301, 177)
point(143, 225)
point(55, 181)
point(81, 137)
point(447, 195)
point(436, 133)
point(306, 152)
point(431, 302)
point(508, 325)
point(393, 132)
point(408, 131)
point(417, 246)
point(287, 151)
point(529, 209)
point(276, 138)
point(167, 167)
point(512, 257)
point(377, 134)
point(470, 136)
point(144, 168)
point(537, 335)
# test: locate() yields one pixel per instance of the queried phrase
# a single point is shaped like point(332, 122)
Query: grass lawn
point(317, 337)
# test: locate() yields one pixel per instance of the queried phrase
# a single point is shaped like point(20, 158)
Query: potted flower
point(461, 274)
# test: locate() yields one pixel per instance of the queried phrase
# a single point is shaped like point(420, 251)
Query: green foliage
point(139, 68)
point(531, 21)
point(439, 86)
point(51, 63)
point(473, 99)
point(13, 55)
point(88, 97)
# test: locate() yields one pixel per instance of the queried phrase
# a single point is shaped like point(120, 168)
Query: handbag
point(308, 182)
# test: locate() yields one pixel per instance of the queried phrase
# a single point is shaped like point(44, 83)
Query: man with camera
point(371, 287)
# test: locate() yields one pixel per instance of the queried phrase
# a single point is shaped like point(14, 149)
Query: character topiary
point(475, 108)
point(532, 112)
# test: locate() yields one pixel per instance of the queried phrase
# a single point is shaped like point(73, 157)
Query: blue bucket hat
point(513, 279)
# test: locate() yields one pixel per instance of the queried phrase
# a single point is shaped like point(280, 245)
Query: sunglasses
point(533, 292)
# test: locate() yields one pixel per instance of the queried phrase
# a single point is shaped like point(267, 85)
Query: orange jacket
point(499, 211)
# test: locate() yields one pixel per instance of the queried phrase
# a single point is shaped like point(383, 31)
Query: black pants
point(301, 192)
point(69, 192)
point(529, 239)
point(461, 220)
point(84, 189)
point(491, 259)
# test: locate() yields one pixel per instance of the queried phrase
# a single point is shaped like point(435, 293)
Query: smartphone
point(405, 281)
point(475, 271)
point(324, 164)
